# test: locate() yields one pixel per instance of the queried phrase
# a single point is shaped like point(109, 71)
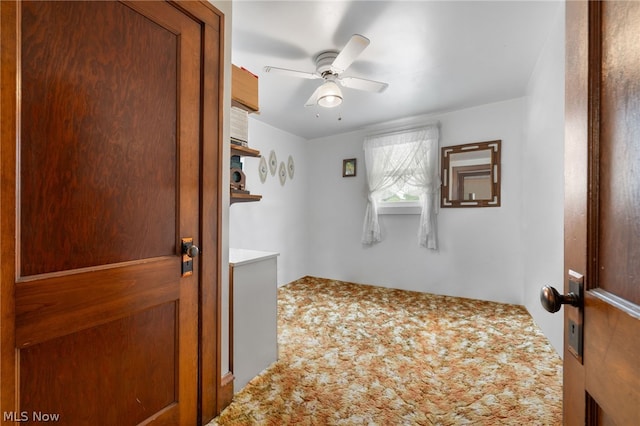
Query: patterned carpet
point(354, 354)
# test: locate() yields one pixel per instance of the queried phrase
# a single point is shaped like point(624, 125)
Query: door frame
point(576, 178)
point(210, 381)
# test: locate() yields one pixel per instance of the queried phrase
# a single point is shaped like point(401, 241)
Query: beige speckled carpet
point(354, 354)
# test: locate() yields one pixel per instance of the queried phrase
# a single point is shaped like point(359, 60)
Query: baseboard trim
point(225, 395)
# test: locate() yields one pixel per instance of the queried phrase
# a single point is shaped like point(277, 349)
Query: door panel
point(94, 361)
point(618, 247)
point(108, 183)
point(612, 346)
point(602, 214)
point(91, 101)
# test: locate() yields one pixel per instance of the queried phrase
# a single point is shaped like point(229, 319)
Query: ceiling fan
point(330, 64)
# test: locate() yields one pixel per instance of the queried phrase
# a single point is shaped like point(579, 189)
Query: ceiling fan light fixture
point(329, 95)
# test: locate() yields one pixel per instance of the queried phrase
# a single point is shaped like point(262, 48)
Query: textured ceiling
point(435, 55)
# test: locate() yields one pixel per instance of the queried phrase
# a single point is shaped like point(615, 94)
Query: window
point(403, 195)
point(402, 177)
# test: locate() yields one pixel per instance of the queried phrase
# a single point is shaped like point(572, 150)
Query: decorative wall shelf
point(244, 151)
point(240, 197)
point(244, 94)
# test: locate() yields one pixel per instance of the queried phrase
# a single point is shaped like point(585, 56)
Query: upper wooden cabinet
point(244, 89)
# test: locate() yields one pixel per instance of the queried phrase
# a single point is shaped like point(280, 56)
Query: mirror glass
point(471, 175)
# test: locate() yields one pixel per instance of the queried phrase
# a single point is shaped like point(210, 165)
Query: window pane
point(402, 191)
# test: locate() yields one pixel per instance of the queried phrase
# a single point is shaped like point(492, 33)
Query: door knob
point(551, 300)
point(192, 251)
point(189, 251)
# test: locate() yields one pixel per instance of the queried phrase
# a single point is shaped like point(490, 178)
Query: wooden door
point(602, 212)
point(105, 183)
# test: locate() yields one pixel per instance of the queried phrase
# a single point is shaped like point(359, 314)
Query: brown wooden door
point(602, 212)
point(107, 182)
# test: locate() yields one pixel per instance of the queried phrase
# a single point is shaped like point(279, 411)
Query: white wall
point(543, 183)
point(277, 223)
point(480, 254)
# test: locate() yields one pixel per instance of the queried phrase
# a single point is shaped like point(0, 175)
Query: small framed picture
point(349, 167)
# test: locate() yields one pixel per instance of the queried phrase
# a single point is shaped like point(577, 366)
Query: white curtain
point(410, 156)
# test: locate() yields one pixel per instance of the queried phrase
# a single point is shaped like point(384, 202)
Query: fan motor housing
point(324, 60)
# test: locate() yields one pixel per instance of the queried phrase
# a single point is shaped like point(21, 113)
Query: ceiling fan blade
point(292, 73)
point(349, 53)
point(363, 84)
point(313, 99)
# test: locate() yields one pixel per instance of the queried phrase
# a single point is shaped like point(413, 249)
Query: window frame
point(399, 207)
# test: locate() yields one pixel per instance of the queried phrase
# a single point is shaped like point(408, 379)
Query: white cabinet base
point(254, 287)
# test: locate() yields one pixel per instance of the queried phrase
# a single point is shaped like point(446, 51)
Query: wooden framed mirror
point(471, 175)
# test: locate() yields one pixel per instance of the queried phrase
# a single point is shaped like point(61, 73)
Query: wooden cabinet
point(244, 94)
point(244, 89)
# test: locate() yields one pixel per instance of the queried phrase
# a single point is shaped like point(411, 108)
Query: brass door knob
point(192, 251)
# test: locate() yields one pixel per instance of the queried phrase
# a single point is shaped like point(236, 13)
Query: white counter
point(254, 289)
point(239, 257)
